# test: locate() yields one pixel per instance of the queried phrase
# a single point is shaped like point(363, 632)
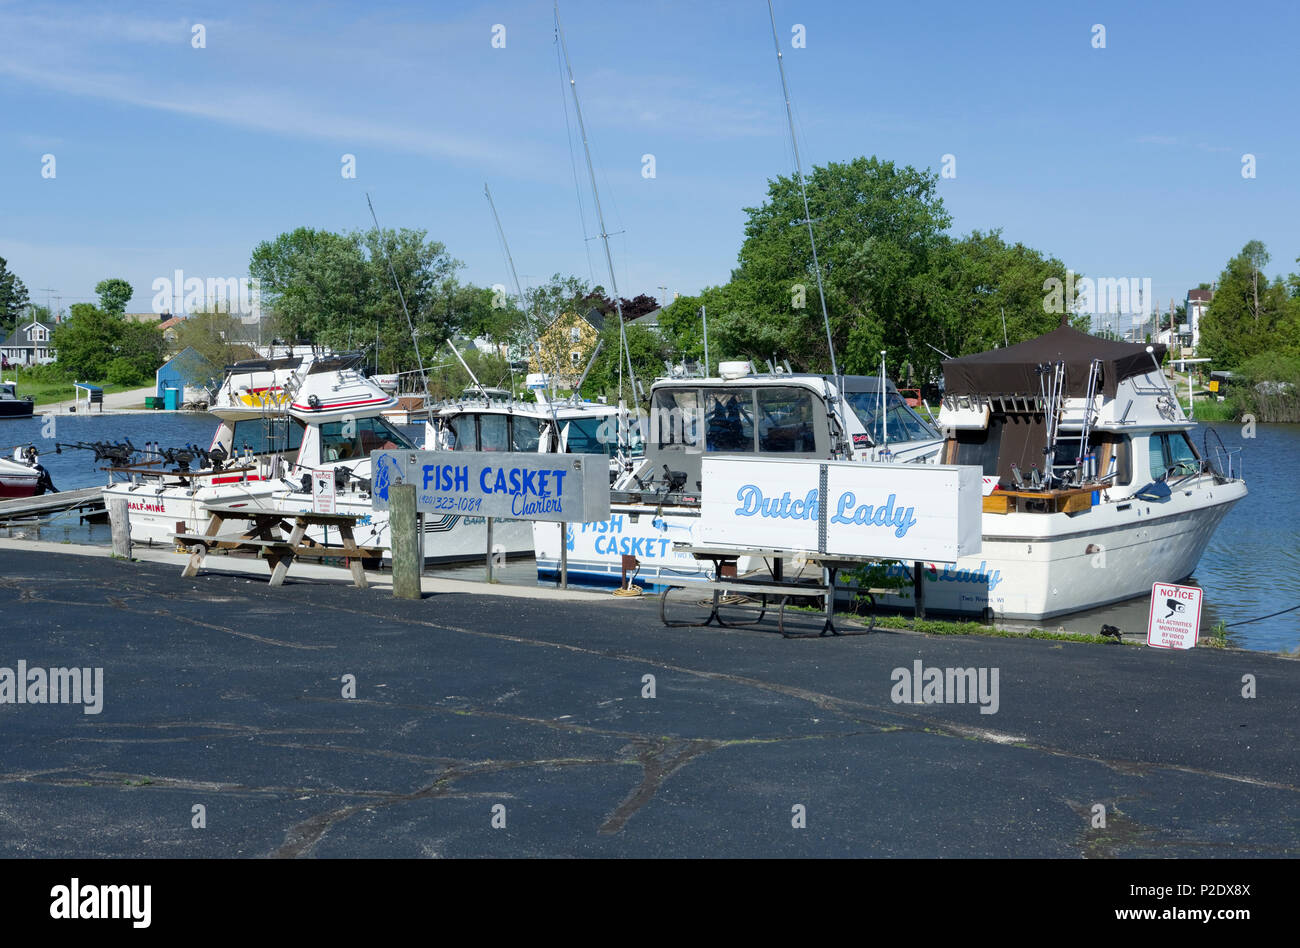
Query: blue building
point(187, 369)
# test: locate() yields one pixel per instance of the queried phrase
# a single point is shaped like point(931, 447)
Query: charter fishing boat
point(739, 413)
point(327, 418)
point(11, 404)
point(1094, 485)
point(255, 388)
point(492, 420)
point(23, 476)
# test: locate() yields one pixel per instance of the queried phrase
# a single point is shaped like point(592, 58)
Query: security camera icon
point(1175, 606)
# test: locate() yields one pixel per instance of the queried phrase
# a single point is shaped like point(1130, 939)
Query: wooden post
point(119, 516)
point(564, 556)
point(918, 589)
point(489, 551)
point(403, 524)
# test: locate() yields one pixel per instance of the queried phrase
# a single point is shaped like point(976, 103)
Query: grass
point(47, 392)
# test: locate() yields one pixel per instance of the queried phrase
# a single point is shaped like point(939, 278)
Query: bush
point(121, 371)
point(53, 373)
point(1268, 387)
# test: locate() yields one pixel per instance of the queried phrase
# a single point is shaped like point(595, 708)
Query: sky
point(1123, 160)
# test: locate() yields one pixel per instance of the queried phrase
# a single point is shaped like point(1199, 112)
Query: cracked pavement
point(223, 692)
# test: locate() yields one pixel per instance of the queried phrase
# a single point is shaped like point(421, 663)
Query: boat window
point(1172, 454)
point(729, 420)
point(267, 435)
point(525, 433)
point(463, 434)
point(493, 432)
point(348, 440)
point(980, 447)
point(898, 421)
point(785, 420)
point(675, 417)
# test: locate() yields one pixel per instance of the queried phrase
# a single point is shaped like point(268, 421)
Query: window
point(462, 433)
point(575, 334)
point(267, 435)
point(675, 417)
point(898, 422)
point(1172, 455)
point(729, 420)
point(575, 358)
point(785, 420)
point(525, 433)
point(351, 440)
point(493, 431)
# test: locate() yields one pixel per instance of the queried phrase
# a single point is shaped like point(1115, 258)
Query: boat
point(327, 418)
point(23, 475)
point(254, 388)
point(656, 504)
point(1095, 487)
point(12, 405)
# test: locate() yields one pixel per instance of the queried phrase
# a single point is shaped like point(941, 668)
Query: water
point(1249, 570)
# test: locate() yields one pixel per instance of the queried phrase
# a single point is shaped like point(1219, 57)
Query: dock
point(89, 500)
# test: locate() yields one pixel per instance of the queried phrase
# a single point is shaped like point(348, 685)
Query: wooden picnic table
point(724, 560)
point(264, 535)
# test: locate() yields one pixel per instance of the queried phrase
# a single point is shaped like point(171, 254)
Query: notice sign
point(505, 485)
point(1175, 620)
point(322, 492)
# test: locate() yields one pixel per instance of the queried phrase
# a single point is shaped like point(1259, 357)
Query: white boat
point(493, 421)
point(657, 502)
point(255, 388)
point(1122, 499)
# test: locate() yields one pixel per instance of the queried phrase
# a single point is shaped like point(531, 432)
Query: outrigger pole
point(803, 192)
point(604, 234)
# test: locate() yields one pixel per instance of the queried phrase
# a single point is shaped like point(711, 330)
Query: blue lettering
point(499, 485)
point(559, 482)
point(482, 480)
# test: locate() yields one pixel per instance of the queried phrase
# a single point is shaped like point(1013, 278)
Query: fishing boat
point(737, 413)
point(327, 417)
point(23, 475)
point(12, 405)
point(1095, 486)
point(254, 388)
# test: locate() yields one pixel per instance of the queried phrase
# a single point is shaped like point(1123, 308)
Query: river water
point(1249, 570)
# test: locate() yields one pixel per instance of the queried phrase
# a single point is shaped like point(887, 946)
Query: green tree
point(13, 296)
point(878, 228)
point(87, 341)
point(221, 338)
point(648, 351)
point(113, 295)
point(1248, 315)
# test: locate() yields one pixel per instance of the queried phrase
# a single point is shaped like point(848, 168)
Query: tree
point(113, 295)
point(13, 296)
point(219, 337)
point(1248, 315)
point(878, 227)
point(86, 341)
point(648, 352)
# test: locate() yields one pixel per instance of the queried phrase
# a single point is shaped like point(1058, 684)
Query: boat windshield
point(898, 420)
point(267, 435)
point(598, 436)
point(345, 440)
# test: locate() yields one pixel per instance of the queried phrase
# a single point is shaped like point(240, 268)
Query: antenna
point(401, 296)
point(705, 316)
point(600, 217)
point(519, 293)
point(803, 192)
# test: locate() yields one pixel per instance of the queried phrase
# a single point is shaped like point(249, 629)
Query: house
point(29, 345)
point(649, 321)
point(1196, 304)
point(196, 376)
point(565, 346)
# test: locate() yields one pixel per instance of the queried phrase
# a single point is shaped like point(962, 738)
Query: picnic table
point(264, 534)
point(775, 585)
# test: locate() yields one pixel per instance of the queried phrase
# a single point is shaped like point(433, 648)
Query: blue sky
point(1124, 161)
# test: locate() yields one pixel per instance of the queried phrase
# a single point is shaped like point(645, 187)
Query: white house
point(1197, 302)
point(29, 345)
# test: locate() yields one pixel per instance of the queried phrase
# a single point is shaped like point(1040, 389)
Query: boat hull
point(1031, 566)
point(16, 408)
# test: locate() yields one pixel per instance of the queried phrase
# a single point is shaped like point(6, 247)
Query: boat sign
point(322, 492)
point(1175, 619)
point(506, 485)
point(925, 512)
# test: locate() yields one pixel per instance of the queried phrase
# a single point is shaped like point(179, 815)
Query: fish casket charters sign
point(919, 512)
point(505, 485)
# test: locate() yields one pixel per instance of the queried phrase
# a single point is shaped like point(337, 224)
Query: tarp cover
point(1011, 371)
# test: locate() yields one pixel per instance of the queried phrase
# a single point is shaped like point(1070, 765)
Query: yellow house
point(565, 346)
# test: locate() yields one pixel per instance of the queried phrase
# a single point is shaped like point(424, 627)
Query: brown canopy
point(1010, 371)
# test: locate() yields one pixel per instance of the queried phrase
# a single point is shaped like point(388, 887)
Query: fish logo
point(387, 473)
